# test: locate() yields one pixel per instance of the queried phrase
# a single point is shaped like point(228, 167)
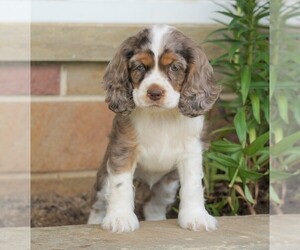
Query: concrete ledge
point(240, 232)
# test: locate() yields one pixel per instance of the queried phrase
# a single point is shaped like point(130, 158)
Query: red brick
point(14, 78)
point(45, 79)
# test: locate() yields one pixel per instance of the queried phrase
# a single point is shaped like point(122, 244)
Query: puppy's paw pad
point(201, 221)
point(120, 222)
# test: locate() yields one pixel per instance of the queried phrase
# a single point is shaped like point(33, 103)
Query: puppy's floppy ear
point(117, 81)
point(199, 91)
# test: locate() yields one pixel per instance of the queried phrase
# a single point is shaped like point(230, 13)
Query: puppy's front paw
point(120, 222)
point(197, 220)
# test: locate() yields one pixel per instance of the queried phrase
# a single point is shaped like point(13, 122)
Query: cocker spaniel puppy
point(159, 84)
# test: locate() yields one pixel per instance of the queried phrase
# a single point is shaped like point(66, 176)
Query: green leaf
point(241, 125)
point(259, 85)
point(223, 159)
point(248, 194)
point(226, 40)
point(266, 109)
point(225, 146)
point(276, 175)
point(233, 202)
point(223, 129)
point(245, 82)
point(229, 14)
point(283, 107)
point(232, 50)
point(218, 166)
point(221, 30)
point(220, 177)
point(285, 144)
point(255, 107)
point(292, 156)
point(273, 79)
point(263, 158)
point(296, 111)
point(257, 145)
point(233, 175)
point(274, 196)
point(250, 174)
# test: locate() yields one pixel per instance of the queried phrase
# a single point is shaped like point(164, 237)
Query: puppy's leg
point(98, 210)
point(120, 215)
point(163, 195)
point(120, 165)
point(192, 212)
point(99, 192)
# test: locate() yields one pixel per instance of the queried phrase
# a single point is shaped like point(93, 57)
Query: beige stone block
point(15, 41)
point(64, 183)
point(68, 136)
point(84, 78)
point(15, 137)
point(97, 42)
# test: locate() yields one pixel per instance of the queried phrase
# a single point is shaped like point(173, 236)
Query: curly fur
point(116, 78)
point(199, 92)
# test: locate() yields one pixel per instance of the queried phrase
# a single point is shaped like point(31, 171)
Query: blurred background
point(55, 122)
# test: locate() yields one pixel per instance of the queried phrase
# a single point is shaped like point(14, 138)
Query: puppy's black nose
point(155, 93)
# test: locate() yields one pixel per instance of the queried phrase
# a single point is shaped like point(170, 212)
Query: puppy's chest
point(161, 142)
point(158, 149)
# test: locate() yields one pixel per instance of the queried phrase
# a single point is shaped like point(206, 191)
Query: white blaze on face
point(156, 76)
point(157, 42)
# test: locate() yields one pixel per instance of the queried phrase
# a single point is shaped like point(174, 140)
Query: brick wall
point(70, 121)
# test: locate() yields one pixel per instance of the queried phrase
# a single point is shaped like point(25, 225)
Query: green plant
point(239, 153)
point(285, 103)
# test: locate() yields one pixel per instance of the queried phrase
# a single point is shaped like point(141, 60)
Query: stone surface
point(68, 136)
point(63, 183)
point(45, 79)
point(79, 42)
point(15, 238)
point(15, 137)
point(84, 78)
point(15, 41)
point(239, 232)
point(284, 232)
point(97, 42)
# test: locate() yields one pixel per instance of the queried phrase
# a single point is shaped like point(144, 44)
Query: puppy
point(159, 84)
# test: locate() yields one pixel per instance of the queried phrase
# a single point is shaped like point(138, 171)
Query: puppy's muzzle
point(155, 92)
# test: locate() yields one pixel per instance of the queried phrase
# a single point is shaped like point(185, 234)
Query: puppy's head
point(160, 67)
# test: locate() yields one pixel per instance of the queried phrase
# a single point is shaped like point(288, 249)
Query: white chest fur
point(162, 136)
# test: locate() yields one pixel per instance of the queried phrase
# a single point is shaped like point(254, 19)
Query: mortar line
point(76, 98)
point(48, 176)
point(63, 81)
point(80, 98)
point(64, 175)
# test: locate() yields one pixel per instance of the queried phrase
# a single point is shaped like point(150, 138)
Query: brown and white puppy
point(159, 84)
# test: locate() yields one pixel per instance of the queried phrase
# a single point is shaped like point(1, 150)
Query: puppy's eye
point(174, 67)
point(140, 67)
